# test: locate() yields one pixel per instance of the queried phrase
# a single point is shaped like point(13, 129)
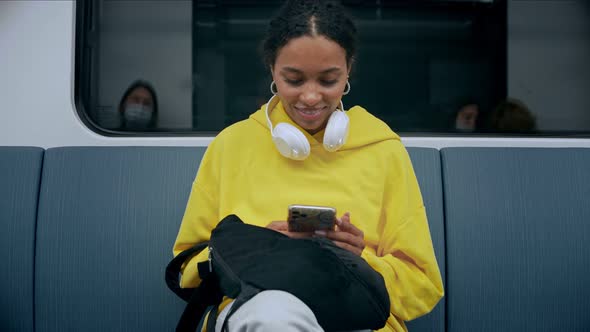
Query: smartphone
point(309, 218)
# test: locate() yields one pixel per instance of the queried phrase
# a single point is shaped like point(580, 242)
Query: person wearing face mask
point(139, 107)
point(466, 118)
point(305, 147)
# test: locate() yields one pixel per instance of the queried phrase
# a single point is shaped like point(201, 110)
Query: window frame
point(86, 35)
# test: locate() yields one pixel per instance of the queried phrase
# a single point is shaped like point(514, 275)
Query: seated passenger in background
point(466, 118)
point(512, 116)
point(325, 156)
point(139, 107)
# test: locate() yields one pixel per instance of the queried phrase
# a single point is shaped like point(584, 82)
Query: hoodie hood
point(365, 129)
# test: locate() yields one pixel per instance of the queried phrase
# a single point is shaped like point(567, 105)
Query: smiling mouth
point(309, 114)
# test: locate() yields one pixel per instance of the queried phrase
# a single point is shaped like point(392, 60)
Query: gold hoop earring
point(273, 91)
point(347, 90)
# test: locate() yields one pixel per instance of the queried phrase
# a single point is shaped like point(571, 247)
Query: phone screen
point(308, 218)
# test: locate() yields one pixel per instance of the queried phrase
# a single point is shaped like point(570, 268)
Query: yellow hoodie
point(371, 177)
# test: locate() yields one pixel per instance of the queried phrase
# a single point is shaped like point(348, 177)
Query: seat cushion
point(518, 227)
point(20, 173)
point(108, 218)
point(426, 163)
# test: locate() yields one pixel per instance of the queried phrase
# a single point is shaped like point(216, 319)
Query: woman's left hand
point(347, 236)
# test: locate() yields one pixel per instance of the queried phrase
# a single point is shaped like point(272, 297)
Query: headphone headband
point(272, 108)
point(293, 144)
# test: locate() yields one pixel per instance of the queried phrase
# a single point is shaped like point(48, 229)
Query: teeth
point(309, 112)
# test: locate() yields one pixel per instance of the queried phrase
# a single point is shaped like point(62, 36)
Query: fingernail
point(321, 233)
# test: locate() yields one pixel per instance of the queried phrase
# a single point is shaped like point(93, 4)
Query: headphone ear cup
point(290, 141)
point(336, 132)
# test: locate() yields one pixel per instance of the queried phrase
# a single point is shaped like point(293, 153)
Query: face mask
point(137, 115)
point(462, 126)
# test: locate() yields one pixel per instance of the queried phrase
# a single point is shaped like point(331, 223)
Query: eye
point(328, 82)
point(293, 82)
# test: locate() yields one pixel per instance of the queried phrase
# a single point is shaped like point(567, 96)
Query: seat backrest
point(517, 233)
point(426, 163)
point(108, 218)
point(20, 172)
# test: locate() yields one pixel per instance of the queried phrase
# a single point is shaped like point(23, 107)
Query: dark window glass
point(160, 67)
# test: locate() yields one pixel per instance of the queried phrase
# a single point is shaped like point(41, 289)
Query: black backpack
point(341, 289)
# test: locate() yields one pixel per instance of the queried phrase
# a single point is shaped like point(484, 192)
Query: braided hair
point(298, 18)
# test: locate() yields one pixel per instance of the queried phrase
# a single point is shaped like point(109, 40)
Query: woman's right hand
point(283, 227)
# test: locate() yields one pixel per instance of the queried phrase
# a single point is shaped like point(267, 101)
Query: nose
point(310, 96)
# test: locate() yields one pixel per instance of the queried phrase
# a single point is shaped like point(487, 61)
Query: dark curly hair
point(298, 18)
point(512, 116)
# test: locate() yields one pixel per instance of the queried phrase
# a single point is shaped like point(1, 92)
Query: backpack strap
point(173, 271)
point(206, 294)
point(212, 318)
point(247, 292)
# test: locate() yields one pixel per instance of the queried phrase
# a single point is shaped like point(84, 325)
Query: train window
point(460, 67)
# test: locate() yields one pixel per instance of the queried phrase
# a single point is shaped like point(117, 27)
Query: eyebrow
point(297, 71)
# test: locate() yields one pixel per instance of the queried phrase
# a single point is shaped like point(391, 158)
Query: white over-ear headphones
point(293, 144)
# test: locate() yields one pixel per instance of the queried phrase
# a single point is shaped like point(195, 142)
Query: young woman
point(349, 160)
point(139, 107)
